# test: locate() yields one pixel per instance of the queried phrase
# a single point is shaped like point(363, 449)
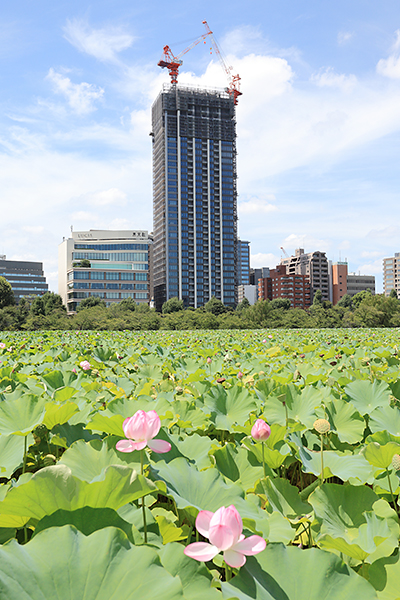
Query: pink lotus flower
point(260, 431)
point(85, 365)
point(240, 375)
point(140, 431)
point(208, 360)
point(74, 370)
point(2, 345)
point(224, 530)
point(270, 336)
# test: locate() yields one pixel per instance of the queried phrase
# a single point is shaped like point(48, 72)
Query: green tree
point(37, 306)
point(393, 293)
point(91, 302)
point(243, 305)
point(215, 306)
point(360, 297)
point(172, 305)
point(345, 302)
point(6, 294)
point(317, 301)
point(280, 303)
point(83, 263)
point(127, 304)
point(52, 302)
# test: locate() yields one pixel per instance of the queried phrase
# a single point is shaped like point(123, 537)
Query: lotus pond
point(81, 519)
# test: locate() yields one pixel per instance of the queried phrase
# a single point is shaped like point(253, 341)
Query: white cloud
point(372, 268)
point(344, 37)
point(371, 254)
point(103, 44)
point(328, 78)
point(390, 67)
point(80, 96)
point(111, 197)
point(37, 229)
point(308, 242)
point(264, 260)
point(257, 205)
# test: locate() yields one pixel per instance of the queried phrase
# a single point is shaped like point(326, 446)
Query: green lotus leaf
point(58, 414)
point(274, 457)
point(301, 407)
point(21, 415)
point(239, 464)
point(88, 460)
point(384, 575)
point(203, 490)
point(350, 523)
point(285, 498)
point(111, 425)
point(229, 407)
point(58, 379)
point(347, 422)
point(11, 454)
point(54, 488)
point(349, 467)
point(288, 573)
point(366, 396)
point(381, 456)
point(63, 564)
point(385, 418)
point(87, 520)
point(194, 576)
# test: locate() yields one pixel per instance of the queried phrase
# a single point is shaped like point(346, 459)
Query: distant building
point(26, 278)
point(343, 283)
point(248, 291)
point(314, 265)
point(194, 196)
point(338, 281)
point(120, 265)
point(359, 283)
point(391, 274)
point(256, 274)
point(243, 262)
point(281, 284)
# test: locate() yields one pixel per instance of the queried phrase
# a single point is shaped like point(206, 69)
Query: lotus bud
point(322, 426)
point(240, 375)
point(396, 462)
point(260, 431)
point(209, 360)
point(49, 460)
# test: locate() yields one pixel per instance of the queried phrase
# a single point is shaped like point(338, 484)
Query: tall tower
point(194, 196)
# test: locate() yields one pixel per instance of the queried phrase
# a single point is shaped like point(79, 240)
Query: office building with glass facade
point(194, 196)
point(25, 277)
point(112, 265)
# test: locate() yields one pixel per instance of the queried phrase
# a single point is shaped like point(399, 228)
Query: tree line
point(48, 312)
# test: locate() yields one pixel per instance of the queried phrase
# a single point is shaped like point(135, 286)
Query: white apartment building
point(314, 265)
point(112, 265)
point(391, 274)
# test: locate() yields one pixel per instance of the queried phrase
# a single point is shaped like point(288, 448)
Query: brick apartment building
point(281, 284)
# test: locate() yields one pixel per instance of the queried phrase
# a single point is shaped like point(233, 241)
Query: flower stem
point(227, 573)
point(265, 473)
point(391, 491)
point(25, 451)
point(322, 458)
point(143, 506)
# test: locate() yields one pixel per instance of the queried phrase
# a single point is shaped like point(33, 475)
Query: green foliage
point(172, 305)
point(6, 293)
point(215, 306)
point(91, 302)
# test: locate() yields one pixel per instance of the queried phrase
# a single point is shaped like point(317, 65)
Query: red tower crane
point(172, 63)
point(234, 80)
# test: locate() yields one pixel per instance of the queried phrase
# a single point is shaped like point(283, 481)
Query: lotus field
point(200, 465)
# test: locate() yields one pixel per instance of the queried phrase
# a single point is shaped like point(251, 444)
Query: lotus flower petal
point(234, 559)
point(203, 522)
point(159, 446)
point(135, 427)
point(153, 424)
point(201, 551)
point(250, 546)
point(126, 446)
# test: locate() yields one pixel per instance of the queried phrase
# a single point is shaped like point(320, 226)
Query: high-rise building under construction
point(194, 196)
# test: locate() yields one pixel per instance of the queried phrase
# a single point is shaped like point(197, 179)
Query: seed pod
point(49, 460)
point(40, 432)
point(396, 462)
point(322, 426)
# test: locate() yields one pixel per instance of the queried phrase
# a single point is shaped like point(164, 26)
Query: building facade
point(315, 266)
point(338, 281)
point(26, 278)
point(248, 291)
point(111, 265)
point(391, 274)
point(281, 284)
point(243, 258)
point(194, 196)
point(359, 283)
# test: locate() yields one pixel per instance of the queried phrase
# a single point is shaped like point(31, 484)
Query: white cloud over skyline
point(317, 138)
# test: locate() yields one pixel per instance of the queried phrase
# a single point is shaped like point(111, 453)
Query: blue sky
point(318, 123)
